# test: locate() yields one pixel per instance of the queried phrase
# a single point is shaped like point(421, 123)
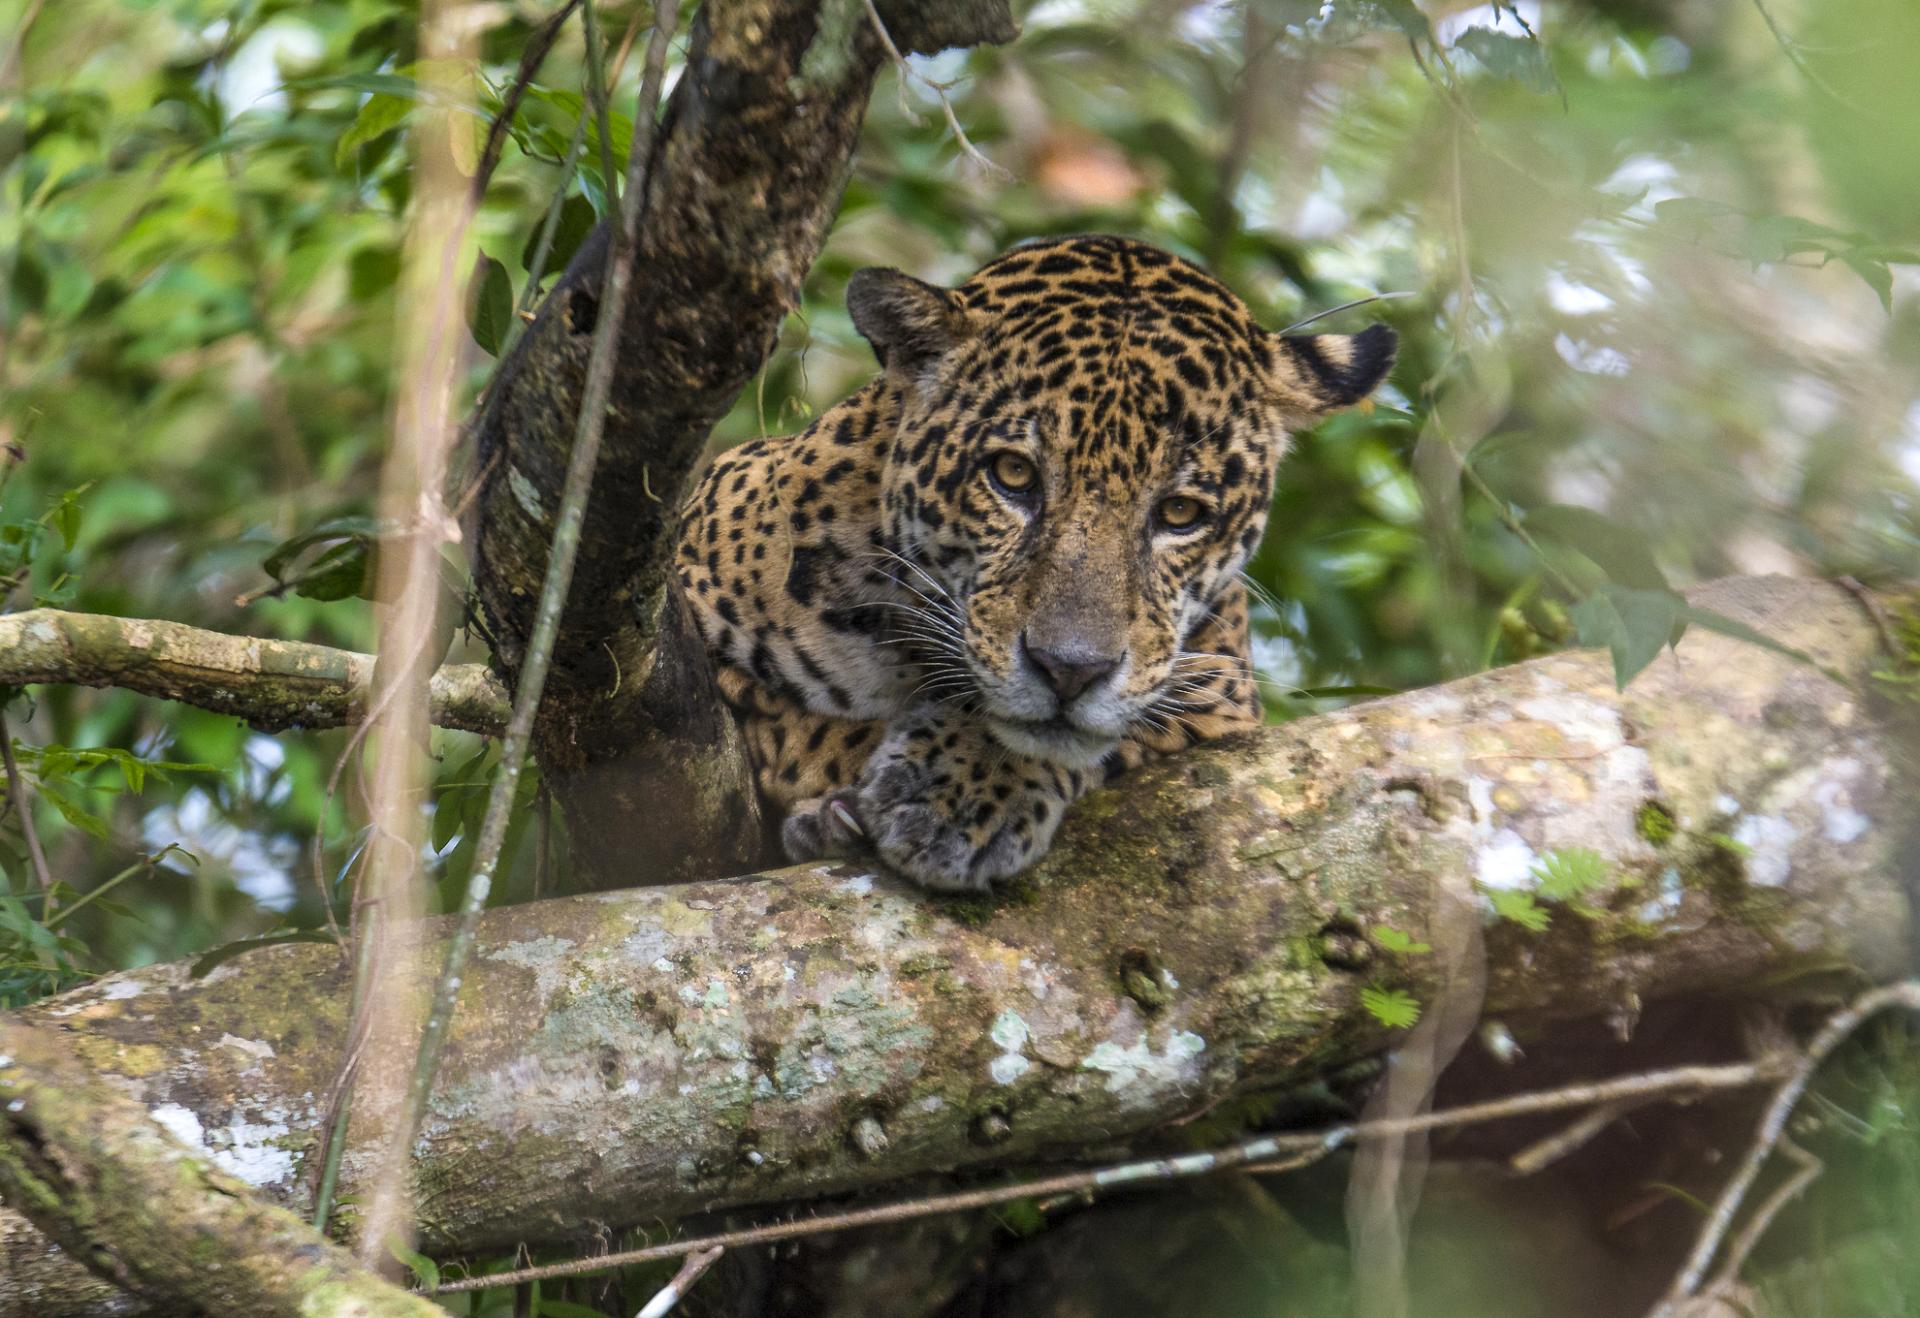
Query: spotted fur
point(971, 592)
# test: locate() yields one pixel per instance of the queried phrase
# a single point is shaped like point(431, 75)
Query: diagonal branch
point(273, 685)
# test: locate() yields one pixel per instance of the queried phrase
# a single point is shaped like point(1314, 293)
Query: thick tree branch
point(747, 171)
point(1202, 930)
point(98, 1174)
point(273, 685)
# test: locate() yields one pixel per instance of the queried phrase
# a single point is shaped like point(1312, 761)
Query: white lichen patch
point(525, 495)
point(117, 988)
point(1839, 821)
point(1578, 718)
point(544, 956)
point(255, 1050)
point(1769, 841)
point(860, 885)
point(1505, 861)
point(1726, 805)
point(1126, 1065)
point(1007, 1068)
point(249, 1150)
point(1009, 1034)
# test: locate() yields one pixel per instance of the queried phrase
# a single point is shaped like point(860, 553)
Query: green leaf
point(1571, 872)
point(334, 528)
point(87, 823)
point(341, 572)
point(490, 306)
point(1519, 907)
point(66, 518)
point(424, 1268)
point(207, 961)
point(1393, 940)
point(1633, 624)
point(576, 222)
point(1394, 1008)
point(1616, 550)
point(1521, 59)
point(381, 114)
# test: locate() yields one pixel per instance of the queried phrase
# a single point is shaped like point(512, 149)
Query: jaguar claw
point(845, 816)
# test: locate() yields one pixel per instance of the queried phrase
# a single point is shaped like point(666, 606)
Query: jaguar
point(1009, 567)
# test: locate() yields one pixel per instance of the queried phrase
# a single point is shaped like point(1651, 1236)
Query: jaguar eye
point(1180, 512)
point(1014, 472)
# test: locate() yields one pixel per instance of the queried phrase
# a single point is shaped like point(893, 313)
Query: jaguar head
point(1087, 436)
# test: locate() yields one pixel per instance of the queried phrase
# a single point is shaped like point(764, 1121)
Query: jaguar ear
point(1320, 373)
point(910, 324)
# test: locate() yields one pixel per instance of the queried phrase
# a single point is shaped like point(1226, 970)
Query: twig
point(532, 677)
point(597, 96)
point(20, 794)
point(670, 1294)
point(1791, 49)
point(1544, 1153)
point(907, 73)
point(1805, 1174)
point(1773, 1122)
point(531, 58)
point(1274, 1153)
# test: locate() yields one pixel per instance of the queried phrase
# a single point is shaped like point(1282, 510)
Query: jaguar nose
point(1069, 671)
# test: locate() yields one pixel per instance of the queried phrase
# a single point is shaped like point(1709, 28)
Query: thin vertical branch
point(532, 678)
point(597, 93)
point(413, 485)
point(22, 798)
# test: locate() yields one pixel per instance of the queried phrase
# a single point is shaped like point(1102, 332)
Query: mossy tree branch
point(93, 1170)
point(273, 685)
point(1203, 930)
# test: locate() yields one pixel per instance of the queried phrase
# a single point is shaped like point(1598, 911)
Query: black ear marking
point(1328, 371)
point(911, 324)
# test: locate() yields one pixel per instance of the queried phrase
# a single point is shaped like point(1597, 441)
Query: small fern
point(1571, 873)
point(1394, 1008)
point(1519, 907)
point(1393, 940)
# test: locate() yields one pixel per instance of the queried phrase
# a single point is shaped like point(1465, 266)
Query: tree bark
point(1201, 930)
point(752, 155)
point(274, 685)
